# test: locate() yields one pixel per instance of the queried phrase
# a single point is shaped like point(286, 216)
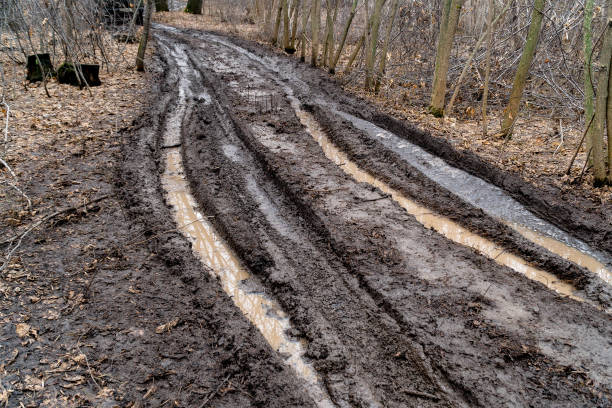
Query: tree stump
point(68, 73)
point(39, 66)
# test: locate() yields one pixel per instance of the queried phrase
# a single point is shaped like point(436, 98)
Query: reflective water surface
point(265, 314)
point(492, 200)
point(429, 219)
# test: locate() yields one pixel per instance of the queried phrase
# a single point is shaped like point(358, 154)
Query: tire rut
point(360, 260)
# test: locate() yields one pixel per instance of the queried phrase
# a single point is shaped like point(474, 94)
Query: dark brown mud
point(393, 313)
point(387, 166)
point(588, 221)
point(227, 347)
point(113, 308)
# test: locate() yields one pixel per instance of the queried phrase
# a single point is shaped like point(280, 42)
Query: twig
point(562, 138)
point(374, 199)
point(586, 130)
point(88, 367)
point(422, 395)
point(21, 236)
point(212, 394)
point(586, 164)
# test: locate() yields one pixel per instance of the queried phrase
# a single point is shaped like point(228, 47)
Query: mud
point(583, 219)
point(391, 313)
point(221, 355)
point(519, 241)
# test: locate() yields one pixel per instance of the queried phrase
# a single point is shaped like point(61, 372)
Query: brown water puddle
point(262, 312)
point(566, 252)
point(429, 219)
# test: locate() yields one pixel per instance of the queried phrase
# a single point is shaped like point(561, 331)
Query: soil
point(106, 304)
point(393, 314)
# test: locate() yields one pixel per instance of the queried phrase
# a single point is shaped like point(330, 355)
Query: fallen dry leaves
point(40, 367)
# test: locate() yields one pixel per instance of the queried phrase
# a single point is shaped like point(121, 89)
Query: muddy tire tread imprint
point(243, 226)
point(576, 215)
point(489, 348)
point(229, 352)
point(390, 168)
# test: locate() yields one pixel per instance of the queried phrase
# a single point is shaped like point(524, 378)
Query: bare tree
point(142, 47)
point(385, 50)
point(603, 106)
point(347, 27)
point(194, 7)
point(512, 109)
point(485, 92)
point(373, 43)
point(448, 26)
point(314, 26)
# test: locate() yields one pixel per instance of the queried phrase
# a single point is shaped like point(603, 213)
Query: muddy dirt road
point(361, 280)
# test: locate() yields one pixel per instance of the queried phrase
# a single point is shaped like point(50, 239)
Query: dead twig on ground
point(584, 133)
point(215, 392)
point(19, 238)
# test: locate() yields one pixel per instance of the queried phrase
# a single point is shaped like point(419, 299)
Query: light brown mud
point(566, 252)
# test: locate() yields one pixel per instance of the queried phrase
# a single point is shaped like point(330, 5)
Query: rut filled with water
point(265, 314)
point(477, 192)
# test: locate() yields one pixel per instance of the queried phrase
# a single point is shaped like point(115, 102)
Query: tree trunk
point(512, 110)
point(277, 21)
point(267, 20)
point(316, 20)
point(70, 33)
point(383, 57)
point(609, 118)
point(602, 105)
point(336, 58)
point(161, 5)
point(468, 64)
point(285, 25)
point(330, 35)
point(194, 7)
point(354, 54)
point(588, 79)
point(142, 47)
point(305, 17)
point(296, 14)
point(448, 27)
point(329, 29)
point(371, 48)
point(485, 91)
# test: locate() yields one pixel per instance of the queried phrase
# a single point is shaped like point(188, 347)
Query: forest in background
point(519, 61)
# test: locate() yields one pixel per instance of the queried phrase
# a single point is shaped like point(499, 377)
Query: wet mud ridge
point(385, 299)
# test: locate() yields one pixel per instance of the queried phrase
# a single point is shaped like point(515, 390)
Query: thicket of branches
point(556, 83)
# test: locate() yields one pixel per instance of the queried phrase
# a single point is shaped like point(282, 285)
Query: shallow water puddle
point(491, 199)
point(426, 217)
point(262, 312)
point(565, 251)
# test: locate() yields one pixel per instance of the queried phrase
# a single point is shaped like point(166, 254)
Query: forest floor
point(105, 304)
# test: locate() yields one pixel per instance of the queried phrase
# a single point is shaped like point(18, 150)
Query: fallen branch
point(586, 130)
point(19, 238)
